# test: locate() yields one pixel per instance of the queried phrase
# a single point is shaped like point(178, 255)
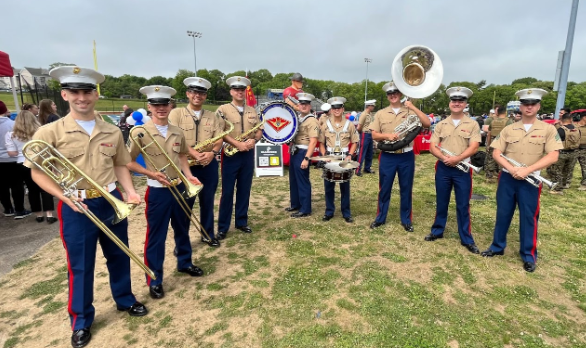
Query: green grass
point(344, 285)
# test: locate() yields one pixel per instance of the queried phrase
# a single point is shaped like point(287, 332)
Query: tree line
point(484, 98)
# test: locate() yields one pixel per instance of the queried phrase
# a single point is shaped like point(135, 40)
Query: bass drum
point(281, 123)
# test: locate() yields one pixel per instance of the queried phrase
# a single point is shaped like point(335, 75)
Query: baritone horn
point(140, 133)
point(67, 175)
point(417, 71)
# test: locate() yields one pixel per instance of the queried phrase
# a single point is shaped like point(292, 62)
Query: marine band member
point(199, 125)
point(366, 150)
point(237, 170)
point(459, 135)
point(96, 148)
point(526, 142)
point(400, 162)
point(338, 136)
point(162, 207)
point(304, 145)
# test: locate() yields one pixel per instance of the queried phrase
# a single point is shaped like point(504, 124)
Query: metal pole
point(194, 56)
point(566, 61)
point(367, 60)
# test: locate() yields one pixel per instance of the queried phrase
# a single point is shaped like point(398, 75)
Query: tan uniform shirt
point(210, 125)
point(385, 120)
point(322, 119)
point(527, 147)
point(174, 144)
point(307, 130)
point(365, 120)
point(242, 124)
point(456, 139)
point(95, 154)
point(328, 138)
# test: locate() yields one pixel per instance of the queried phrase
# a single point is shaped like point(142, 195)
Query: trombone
point(67, 175)
point(191, 190)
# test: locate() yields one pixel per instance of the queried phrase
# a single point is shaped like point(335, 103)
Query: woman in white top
point(25, 125)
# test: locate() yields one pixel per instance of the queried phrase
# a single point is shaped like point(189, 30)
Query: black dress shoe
point(491, 253)
point(221, 235)
point(529, 266)
point(359, 174)
point(291, 209)
point(431, 237)
point(157, 291)
point(369, 171)
point(349, 219)
point(472, 248)
point(408, 227)
point(299, 214)
point(51, 219)
point(136, 310)
point(211, 242)
point(376, 224)
point(80, 338)
point(244, 229)
point(40, 218)
point(192, 270)
point(327, 217)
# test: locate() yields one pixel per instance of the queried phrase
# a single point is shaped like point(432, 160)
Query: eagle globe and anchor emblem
point(281, 122)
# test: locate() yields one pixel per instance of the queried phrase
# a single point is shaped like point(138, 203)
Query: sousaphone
point(417, 71)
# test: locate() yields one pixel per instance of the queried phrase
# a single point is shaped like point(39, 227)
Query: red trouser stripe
point(535, 223)
point(69, 270)
point(469, 198)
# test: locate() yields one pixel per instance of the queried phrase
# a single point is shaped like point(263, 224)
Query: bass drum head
point(281, 123)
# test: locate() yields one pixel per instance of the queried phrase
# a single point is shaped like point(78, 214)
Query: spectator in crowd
point(48, 112)
point(10, 185)
point(127, 112)
point(25, 125)
point(563, 112)
point(31, 107)
point(517, 116)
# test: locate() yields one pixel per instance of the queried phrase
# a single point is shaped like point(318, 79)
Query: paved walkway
point(20, 239)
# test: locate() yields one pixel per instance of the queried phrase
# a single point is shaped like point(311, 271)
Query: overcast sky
point(495, 40)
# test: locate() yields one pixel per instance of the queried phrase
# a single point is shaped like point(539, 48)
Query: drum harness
point(337, 149)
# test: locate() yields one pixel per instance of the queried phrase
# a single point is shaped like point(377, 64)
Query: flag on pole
point(250, 99)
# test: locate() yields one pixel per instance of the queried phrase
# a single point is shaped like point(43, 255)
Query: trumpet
point(208, 145)
point(191, 190)
point(67, 175)
point(533, 179)
point(231, 150)
point(463, 166)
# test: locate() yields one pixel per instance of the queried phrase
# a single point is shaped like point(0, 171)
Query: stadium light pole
point(566, 61)
point(366, 60)
point(194, 35)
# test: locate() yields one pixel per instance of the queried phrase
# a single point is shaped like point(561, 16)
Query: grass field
point(308, 283)
point(102, 104)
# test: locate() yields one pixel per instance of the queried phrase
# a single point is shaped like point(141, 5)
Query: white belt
point(83, 194)
point(342, 149)
point(304, 147)
point(403, 150)
point(155, 183)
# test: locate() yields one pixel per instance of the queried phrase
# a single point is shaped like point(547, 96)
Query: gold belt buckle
point(398, 151)
point(92, 193)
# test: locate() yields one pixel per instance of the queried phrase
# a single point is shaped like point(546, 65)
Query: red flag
point(250, 99)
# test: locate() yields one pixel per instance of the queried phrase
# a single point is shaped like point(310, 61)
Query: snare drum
point(281, 122)
point(337, 176)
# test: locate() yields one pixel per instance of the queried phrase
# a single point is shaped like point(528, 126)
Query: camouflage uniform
point(581, 158)
point(562, 169)
point(491, 168)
